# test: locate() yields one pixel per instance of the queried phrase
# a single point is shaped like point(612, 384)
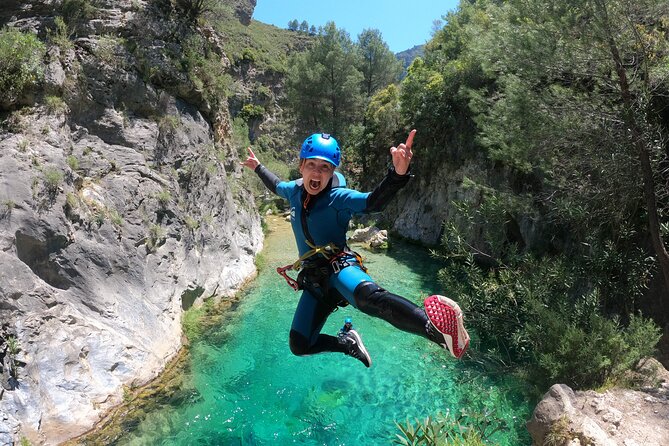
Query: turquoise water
point(246, 388)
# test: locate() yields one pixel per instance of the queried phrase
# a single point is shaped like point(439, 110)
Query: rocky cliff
point(121, 205)
point(616, 417)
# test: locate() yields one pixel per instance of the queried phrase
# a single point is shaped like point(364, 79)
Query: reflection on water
point(246, 388)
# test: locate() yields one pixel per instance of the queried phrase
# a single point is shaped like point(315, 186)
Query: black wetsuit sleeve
point(268, 178)
point(386, 190)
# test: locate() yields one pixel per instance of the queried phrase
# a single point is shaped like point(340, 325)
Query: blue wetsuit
point(322, 219)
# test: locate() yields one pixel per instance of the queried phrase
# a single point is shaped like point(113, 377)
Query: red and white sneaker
point(446, 319)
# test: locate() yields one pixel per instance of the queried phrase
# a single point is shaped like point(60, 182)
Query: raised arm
point(268, 178)
point(396, 178)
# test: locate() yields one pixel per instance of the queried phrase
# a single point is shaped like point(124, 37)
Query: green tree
point(323, 83)
point(555, 111)
point(370, 141)
point(378, 65)
point(304, 27)
point(293, 25)
point(580, 84)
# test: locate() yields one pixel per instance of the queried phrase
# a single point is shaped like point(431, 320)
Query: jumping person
point(332, 275)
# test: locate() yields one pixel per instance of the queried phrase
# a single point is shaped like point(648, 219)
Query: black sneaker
point(355, 347)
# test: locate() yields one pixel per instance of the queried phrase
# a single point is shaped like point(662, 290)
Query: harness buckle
point(335, 266)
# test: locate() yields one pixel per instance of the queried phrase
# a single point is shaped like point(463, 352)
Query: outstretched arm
point(268, 178)
point(395, 179)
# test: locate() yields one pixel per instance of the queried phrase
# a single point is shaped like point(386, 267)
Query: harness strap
point(336, 260)
point(327, 252)
point(292, 282)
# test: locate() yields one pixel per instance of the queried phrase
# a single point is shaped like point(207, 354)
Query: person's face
point(316, 174)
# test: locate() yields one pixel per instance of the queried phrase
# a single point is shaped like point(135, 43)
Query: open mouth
point(314, 185)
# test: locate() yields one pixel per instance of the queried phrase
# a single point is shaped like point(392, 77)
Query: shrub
point(535, 314)
point(465, 429)
point(191, 223)
point(249, 55)
point(76, 12)
point(61, 35)
point(205, 71)
point(155, 237)
point(53, 178)
point(115, 217)
point(194, 9)
point(251, 111)
point(164, 197)
point(73, 162)
point(55, 104)
point(107, 50)
point(21, 63)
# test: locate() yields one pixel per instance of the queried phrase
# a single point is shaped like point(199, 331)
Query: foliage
point(463, 429)
point(323, 83)
point(269, 46)
point(240, 136)
point(21, 63)
point(558, 433)
point(55, 104)
point(378, 65)
point(13, 349)
point(370, 142)
point(61, 35)
point(107, 50)
point(76, 12)
point(73, 162)
point(543, 316)
point(155, 237)
point(164, 197)
point(192, 10)
point(52, 178)
point(205, 71)
point(250, 112)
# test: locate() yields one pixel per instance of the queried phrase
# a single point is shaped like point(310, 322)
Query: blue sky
point(402, 23)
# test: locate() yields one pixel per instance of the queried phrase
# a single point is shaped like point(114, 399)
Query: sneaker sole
point(446, 316)
point(358, 340)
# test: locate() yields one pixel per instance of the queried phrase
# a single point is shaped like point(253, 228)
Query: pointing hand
point(402, 154)
point(251, 162)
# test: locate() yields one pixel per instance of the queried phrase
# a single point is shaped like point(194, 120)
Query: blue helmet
point(321, 146)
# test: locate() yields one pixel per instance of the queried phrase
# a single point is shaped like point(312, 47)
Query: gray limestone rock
point(617, 417)
point(118, 211)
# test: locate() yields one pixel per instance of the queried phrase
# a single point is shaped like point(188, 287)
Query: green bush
point(61, 35)
point(535, 316)
point(76, 12)
point(588, 354)
point(21, 63)
point(55, 104)
point(205, 70)
point(251, 111)
point(53, 178)
point(73, 162)
point(464, 429)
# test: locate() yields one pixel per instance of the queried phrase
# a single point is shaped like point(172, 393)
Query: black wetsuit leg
point(305, 333)
point(400, 312)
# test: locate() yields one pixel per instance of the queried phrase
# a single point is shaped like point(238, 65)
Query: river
point(244, 386)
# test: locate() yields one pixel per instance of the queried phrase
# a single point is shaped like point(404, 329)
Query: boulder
point(372, 236)
point(617, 417)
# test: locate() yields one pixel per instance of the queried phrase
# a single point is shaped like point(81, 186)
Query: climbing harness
point(336, 260)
